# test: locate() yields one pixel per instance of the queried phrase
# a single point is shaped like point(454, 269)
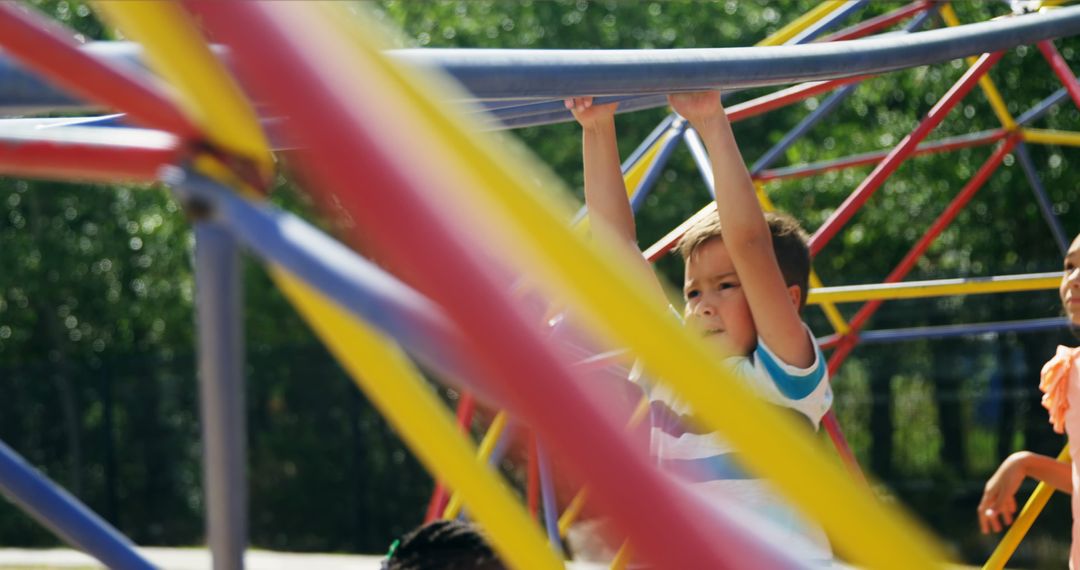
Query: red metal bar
point(902, 151)
point(832, 427)
point(342, 132)
point(665, 244)
point(1061, 69)
point(784, 97)
point(51, 50)
point(878, 23)
point(847, 343)
point(942, 145)
point(84, 161)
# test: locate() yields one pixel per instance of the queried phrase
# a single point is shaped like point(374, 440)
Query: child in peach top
point(1060, 383)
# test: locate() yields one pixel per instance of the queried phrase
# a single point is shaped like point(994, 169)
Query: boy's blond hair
point(789, 242)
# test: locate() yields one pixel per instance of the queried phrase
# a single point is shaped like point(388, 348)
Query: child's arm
point(745, 232)
point(999, 496)
point(605, 190)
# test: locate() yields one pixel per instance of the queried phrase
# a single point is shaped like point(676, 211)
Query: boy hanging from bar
point(745, 284)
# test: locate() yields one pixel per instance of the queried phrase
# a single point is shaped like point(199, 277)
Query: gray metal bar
point(221, 393)
point(493, 73)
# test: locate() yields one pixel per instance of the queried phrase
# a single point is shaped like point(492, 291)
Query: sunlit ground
point(199, 559)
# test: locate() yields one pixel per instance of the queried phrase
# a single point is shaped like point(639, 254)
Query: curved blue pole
point(64, 515)
point(492, 73)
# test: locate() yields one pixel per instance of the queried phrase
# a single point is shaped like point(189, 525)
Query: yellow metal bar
point(487, 446)
point(801, 23)
point(573, 510)
point(1023, 522)
point(993, 96)
point(622, 557)
point(593, 277)
point(206, 91)
point(393, 385)
point(937, 288)
point(1047, 136)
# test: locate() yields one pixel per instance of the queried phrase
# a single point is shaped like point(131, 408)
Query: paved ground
point(185, 559)
point(198, 559)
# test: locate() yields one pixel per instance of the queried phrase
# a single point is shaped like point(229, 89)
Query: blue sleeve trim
point(792, 386)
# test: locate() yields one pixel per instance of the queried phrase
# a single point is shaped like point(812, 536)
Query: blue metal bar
point(801, 129)
point(351, 281)
point(221, 392)
point(657, 167)
point(701, 159)
point(492, 73)
point(821, 26)
point(1035, 113)
point(547, 497)
point(64, 515)
point(559, 114)
point(921, 333)
point(873, 156)
point(823, 110)
point(1041, 197)
point(647, 143)
point(634, 158)
point(114, 120)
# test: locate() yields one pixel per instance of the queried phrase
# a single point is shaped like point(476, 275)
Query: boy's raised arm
point(746, 233)
point(605, 189)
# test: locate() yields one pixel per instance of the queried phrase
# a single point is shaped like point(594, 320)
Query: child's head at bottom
point(715, 304)
point(443, 545)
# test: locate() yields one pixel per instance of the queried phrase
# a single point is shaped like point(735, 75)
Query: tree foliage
point(96, 307)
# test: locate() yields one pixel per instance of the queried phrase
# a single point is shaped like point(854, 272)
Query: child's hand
point(998, 503)
point(589, 115)
point(698, 106)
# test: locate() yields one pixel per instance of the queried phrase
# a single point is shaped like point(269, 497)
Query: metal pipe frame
point(355, 284)
point(901, 152)
point(64, 515)
point(820, 113)
point(879, 23)
point(1061, 69)
point(1042, 199)
point(57, 56)
point(491, 73)
point(100, 154)
point(935, 288)
point(962, 198)
point(652, 174)
point(223, 414)
point(947, 331)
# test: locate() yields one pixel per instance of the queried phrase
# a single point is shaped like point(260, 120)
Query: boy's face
point(716, 307)
point(1070, 283)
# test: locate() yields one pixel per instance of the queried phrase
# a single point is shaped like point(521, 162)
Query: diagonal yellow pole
point(390, 380)
point(1034, 505)
point(206, 92)
point(993, 96)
